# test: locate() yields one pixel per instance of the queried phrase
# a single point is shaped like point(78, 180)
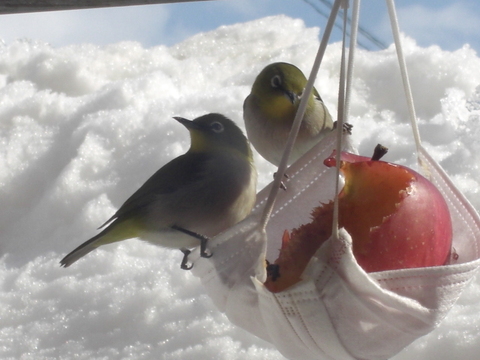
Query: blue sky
point(447, 23)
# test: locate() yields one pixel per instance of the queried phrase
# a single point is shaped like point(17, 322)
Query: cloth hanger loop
point(298, 117)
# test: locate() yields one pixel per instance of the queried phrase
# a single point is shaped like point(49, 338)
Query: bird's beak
point(291, 96)
point(189, 124)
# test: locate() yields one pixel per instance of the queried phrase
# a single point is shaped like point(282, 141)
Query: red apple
point(397, 219)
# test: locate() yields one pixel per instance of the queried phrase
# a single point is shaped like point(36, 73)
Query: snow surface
point(82, 127)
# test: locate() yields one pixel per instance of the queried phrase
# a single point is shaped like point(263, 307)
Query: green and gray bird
point(270, 109)
point(192, 198)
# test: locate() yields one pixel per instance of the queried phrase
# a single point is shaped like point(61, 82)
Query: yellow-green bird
point(270, 109)
point(192, 198)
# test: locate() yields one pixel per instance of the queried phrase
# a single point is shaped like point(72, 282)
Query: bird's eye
point(276, 81)
point(216, 127)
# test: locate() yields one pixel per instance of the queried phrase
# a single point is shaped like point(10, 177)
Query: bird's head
point(216, 133)
point(278, 90)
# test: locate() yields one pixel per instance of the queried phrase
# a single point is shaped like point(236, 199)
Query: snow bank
point(82, 127)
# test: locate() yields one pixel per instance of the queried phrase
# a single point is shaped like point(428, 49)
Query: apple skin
point(396, 217)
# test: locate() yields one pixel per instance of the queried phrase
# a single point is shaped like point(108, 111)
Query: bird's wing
point(317, 95)
point(179, 173)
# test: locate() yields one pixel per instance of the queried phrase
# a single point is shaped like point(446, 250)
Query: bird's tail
point(116, 231)
point(80, 251)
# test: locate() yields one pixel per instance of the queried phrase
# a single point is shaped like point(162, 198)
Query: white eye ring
point(217, 127)
point(276, 81)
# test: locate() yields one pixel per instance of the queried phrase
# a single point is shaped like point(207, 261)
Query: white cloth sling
point(338, 311)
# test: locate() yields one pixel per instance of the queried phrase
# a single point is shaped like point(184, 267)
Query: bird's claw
point(206, 254)
point(184, 262)
point(203, 246)
point(347, 128)
point(273, 271)
point(282, 184)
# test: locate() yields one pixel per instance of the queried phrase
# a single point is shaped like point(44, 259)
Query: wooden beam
point(26, 6)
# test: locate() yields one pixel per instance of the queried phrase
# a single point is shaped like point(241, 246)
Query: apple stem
point(379, 152)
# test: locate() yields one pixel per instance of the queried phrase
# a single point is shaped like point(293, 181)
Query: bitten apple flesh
point(396, 217)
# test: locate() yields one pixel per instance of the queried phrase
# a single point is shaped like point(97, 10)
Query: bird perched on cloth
point(270, 109)
point(192, 198)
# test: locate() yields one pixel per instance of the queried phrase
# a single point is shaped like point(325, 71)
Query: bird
point(270, 108)
point(192, 198)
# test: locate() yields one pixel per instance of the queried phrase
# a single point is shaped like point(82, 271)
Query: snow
point(83, 126)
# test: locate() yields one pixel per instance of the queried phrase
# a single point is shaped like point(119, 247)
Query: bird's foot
point(347, 128)
point(273, 271)
point(203, 245)
point(184, 265)
point(282, 184)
